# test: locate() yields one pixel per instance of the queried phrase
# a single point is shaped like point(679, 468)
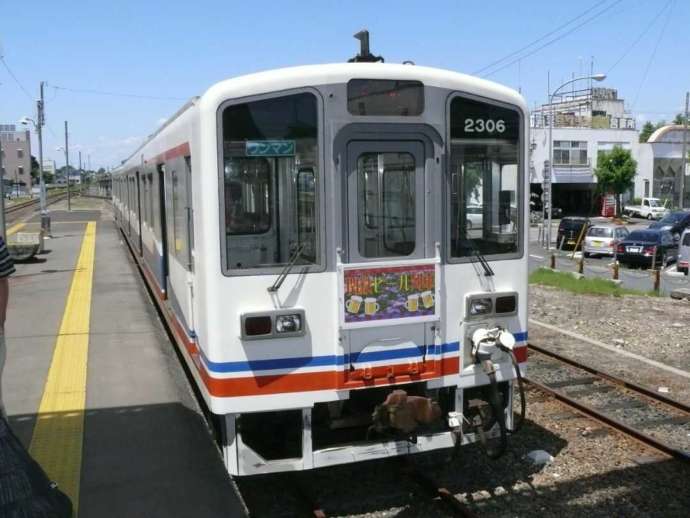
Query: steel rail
point(29, 203)
point(609, 421)
point(634, 387)
point(455, 506)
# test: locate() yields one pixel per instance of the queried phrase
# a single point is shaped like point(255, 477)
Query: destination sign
point(472, 119)
point(270, 148)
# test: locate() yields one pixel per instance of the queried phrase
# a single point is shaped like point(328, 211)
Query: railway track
point(15, 212)
point(643, 414)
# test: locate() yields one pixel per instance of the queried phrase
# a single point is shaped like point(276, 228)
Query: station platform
point(93, 386)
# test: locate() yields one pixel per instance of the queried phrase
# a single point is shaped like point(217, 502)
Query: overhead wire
point(116, 94)
point(16, 80)
point(541, 38)
point(554, 40)
point(651, 58)
point(641, 35)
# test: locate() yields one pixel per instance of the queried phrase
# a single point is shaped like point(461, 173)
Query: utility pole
point(69, 198)
point(2, 196)
point(685, 152)
point(45, 217)
point(81, 173)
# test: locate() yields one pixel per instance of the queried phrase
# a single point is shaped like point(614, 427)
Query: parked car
point(684, 252)
point(475, 216)
point(556, 212)
point(603, 239)
point(647, 247)
point(651, 208)
point(569, 231)
point(675, 223)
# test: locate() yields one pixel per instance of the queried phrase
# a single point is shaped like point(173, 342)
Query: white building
point(49, 167)
point(587, 122)
point(659, 165)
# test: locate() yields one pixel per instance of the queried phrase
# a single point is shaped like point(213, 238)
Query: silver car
point(684, 252)
point(603, 239)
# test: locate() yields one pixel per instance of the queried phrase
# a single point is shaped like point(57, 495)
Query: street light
point(596, 77)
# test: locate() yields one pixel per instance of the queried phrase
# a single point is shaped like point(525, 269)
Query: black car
point(675, 222)
point(647, 247)
point(569, 231)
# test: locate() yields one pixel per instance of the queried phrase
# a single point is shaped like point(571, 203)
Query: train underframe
point(341, 432)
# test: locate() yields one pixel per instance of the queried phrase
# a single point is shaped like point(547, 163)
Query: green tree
point(680, 119)
point(34, 169)
point(615, 173)
point(647, 131)
point(650, 128)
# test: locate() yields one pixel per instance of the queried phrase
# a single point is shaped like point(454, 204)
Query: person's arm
point(4, 297)
point(6, 269)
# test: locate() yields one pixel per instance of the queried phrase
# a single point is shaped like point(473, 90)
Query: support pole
point(684, 155)
point(69, 197)
point(45, 217)
point(3, 231)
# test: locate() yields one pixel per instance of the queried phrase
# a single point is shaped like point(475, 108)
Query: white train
point(319, 236)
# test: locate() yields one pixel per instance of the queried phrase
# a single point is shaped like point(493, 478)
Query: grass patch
point(589, 286)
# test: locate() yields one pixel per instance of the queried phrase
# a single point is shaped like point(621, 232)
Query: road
point(637, 279)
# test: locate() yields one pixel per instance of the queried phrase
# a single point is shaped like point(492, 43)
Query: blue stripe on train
point(334, 360)
point(327, 361)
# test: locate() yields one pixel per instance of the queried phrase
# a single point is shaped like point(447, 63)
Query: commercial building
point(585, 123)
point(660, 161)
point(16, 158)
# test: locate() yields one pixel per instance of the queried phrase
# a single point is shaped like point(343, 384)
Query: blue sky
point(178, 49)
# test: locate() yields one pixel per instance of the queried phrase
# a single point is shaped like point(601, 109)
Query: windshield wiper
point(488, 271)
point(288, 267)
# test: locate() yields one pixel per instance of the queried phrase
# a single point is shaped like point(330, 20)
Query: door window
point(387, 225)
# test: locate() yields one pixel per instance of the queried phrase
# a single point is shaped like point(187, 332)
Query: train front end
point(370, 298)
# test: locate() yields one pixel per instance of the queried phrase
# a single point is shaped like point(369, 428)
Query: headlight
point(481, 306)
point(289, 323)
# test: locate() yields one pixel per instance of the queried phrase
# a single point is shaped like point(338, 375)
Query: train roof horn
point(364, 56)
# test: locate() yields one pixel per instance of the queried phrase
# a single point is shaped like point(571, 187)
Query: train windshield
point(485, 178)
point(270, 182)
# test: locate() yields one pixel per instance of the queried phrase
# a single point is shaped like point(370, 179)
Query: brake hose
point(523, 402)
point(499, 414)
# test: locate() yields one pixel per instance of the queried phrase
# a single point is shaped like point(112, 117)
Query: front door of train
point(389, 279)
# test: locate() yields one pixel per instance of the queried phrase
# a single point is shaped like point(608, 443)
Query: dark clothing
point(6, 263)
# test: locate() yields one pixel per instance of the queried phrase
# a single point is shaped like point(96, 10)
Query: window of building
point(570, 152)
point(270, 182)
point(485, 199)
point(20, 153)
point(20, 170)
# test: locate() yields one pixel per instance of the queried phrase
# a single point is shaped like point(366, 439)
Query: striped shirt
point(6, 263)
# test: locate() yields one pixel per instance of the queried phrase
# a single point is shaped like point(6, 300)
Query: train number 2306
point(484, 126)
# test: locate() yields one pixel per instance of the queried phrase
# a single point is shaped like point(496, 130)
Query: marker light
point(481, 306)
point(257, 326)
point(506, 304)
point(291, 323)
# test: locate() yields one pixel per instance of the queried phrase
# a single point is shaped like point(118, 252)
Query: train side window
point(270, 182)
point(179, 215)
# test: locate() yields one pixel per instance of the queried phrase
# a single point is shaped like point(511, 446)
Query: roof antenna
point(364, 56)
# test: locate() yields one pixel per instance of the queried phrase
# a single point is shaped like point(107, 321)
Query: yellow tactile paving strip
point(15, 228)
point(57, 440)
